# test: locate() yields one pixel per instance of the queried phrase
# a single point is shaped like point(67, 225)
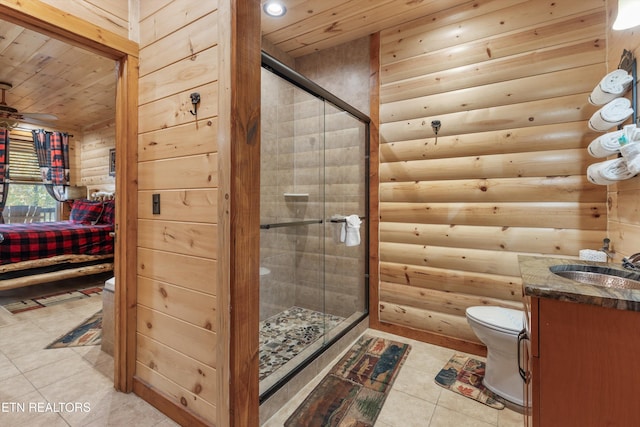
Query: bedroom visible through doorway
point(75, 90)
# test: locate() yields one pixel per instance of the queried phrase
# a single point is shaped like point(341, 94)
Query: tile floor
point(78, 380)
point(415, 399)
point(31, 375)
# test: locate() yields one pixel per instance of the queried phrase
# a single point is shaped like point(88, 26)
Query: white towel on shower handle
point(612, 114)
point(339, 232)
point(352, 237)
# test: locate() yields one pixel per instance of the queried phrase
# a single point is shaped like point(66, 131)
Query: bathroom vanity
point(581, 359)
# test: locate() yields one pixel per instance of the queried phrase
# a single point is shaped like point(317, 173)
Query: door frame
point(50, 21)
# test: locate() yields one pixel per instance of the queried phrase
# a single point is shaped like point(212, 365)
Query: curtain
point(4, 169)
point(52, 149)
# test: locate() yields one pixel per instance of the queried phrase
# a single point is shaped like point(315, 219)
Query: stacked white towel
point(612, 86)
point(606, 145)
point(612, 114)
point(631, 154)
point(608, 172)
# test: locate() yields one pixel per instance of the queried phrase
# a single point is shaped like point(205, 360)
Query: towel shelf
point(344, 219)
point(290, 224)
point(628, 63)
point(299, 195)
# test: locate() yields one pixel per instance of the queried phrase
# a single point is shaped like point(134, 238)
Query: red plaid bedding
point(22, 242)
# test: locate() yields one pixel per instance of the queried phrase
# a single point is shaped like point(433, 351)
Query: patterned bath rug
point(286, 334)
point(463, 375)
point(353, 392)
point(52, 299)
point(88, 332)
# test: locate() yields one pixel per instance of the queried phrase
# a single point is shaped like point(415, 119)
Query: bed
point(33, 253)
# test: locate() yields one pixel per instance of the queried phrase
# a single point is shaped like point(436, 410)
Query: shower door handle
point(344, 220)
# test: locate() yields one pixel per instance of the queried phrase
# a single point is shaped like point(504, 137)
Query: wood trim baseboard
point(162, 403)
point(433, 338)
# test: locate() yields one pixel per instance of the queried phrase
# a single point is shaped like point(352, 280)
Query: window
point(28, 199)
point(23, 161)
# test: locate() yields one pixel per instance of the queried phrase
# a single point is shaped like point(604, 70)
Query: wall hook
point(195, 100)
point(435, 125)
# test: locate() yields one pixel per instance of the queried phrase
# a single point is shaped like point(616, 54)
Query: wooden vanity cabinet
point(584, 365)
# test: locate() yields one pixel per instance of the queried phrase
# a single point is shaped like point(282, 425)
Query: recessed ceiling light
point(274, 8)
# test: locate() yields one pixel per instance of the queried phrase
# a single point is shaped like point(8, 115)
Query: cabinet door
point(587, 365)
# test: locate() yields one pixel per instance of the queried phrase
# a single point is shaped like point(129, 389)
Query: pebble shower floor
point(286, 334)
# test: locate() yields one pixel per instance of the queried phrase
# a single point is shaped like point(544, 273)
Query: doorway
point(47, 22)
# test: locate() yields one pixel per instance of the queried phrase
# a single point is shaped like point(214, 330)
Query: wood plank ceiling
point(77, 86)
point(313, 25)
point(52, 77)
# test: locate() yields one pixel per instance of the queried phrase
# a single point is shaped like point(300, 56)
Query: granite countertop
point(539, 281)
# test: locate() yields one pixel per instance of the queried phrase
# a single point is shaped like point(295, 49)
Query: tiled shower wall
point(308, 266)
point(344, 71)
point(278, 244)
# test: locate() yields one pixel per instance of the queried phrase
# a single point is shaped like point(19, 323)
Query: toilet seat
point(500, 319)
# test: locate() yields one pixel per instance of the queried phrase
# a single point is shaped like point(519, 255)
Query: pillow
point(108, 213)
point(85, 212)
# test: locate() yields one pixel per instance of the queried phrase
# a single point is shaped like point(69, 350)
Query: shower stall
point(313, 193)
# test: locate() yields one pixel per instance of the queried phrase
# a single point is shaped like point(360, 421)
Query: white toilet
point(498, 329)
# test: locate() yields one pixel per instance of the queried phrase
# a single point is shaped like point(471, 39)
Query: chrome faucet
point(632, 262)
point(605, 247)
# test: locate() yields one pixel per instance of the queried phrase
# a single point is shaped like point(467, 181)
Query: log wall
point(94, 159)
point(505, 174)
point(177, 304)
point(623, 203)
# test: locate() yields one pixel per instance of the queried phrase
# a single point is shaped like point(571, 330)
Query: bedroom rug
point(286, 334)
point(52, 299)
point(353, 392)
point(88, 332)
point(463, 375)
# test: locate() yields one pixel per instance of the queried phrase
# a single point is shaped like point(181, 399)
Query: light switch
point(155, 204)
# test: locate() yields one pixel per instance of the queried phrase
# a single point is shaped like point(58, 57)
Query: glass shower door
point(292, 233)
point(313, 266)
point(346, 227)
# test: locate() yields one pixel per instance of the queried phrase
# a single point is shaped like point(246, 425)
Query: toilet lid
point(500, 318)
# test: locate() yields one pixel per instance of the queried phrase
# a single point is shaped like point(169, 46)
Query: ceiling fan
point(10, 117)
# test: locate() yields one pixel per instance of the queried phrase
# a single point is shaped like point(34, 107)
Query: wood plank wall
point(623, 201)
point(506, 175)
point(178, 248)
point(112, 15)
